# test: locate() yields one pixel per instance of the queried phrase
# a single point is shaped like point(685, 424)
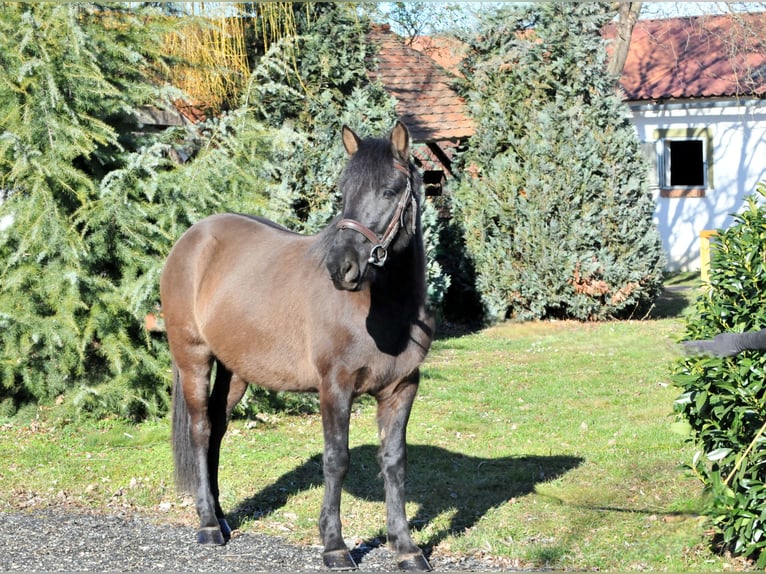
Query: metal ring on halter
point(378, 255)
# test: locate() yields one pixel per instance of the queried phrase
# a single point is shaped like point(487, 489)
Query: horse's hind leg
point(394, 405)
point(227, 392)
point(191, 435)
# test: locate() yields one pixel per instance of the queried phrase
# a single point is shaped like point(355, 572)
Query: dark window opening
point(686, 160)
point(433, 182)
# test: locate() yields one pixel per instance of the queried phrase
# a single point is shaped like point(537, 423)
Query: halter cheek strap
point(380, 245)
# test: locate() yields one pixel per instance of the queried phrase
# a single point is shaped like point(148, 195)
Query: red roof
point(703, 56)
point(446, 51)
point(426, 99)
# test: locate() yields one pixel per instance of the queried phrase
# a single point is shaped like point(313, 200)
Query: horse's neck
point(402, 280)
point(398, 318)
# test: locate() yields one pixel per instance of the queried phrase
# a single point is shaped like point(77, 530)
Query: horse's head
point(380, 215)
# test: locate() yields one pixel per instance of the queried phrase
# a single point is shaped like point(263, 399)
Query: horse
point(342, 313)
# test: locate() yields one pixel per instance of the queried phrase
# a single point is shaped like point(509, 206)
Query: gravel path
point(52, 540)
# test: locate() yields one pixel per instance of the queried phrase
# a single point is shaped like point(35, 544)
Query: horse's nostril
point(350, 271)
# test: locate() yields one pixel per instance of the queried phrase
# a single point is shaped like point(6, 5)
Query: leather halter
point(379, 249)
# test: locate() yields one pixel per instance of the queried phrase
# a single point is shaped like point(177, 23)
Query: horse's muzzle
point(346, 272)
point(348, 276)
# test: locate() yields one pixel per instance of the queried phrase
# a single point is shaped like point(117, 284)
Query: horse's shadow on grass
point(438, 480)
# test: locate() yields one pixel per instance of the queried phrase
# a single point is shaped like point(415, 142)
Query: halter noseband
point(379, 250)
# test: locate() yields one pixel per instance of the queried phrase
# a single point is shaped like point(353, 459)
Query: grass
point(544, 445)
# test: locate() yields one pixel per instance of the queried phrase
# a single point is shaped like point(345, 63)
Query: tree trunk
point(626, 20)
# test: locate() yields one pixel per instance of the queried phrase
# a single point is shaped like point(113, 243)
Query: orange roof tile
point(445, 51)
point(426, 99)
point(703, 56)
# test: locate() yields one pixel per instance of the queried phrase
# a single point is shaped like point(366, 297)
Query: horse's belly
point(286, 360)
point(274, 358)
point(278, 379)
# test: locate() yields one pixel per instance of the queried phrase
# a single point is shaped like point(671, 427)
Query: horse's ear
point(350, 140)
point(400, 140)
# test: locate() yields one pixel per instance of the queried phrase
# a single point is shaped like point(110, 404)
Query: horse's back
point(246, 289)
point(212, 245)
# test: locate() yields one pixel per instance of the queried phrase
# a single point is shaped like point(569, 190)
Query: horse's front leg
point(394, 405)
point(336, 411)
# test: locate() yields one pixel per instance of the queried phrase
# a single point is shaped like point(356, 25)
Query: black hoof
point(210, 535)
point(413, 563)
point(339, 560)
point(225, 529)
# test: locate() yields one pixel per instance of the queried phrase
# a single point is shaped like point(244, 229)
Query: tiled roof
point(426, 99)
point(446, 51)
point(703, 56)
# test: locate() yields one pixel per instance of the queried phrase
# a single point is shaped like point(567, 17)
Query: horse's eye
point(389, 193)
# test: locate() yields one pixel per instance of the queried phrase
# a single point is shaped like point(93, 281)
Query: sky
point(648, 10)
point(676, 9)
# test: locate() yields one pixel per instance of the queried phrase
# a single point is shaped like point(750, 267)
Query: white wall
point(739, 163)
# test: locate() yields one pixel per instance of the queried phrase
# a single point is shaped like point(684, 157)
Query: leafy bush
point(722, 404)
point(71, 74)
point(558, 218)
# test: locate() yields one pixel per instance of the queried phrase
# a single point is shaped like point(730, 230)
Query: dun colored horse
point(341, 313)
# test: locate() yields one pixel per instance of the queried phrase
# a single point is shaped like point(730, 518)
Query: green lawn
point(540, 444)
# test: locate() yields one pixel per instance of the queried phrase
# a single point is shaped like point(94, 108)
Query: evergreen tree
point(316, 81)
point(557, 219)
point(70, 77)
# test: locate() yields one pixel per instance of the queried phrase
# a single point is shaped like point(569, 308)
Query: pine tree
point(71, 75)
point(558, 220)
point(316, 81)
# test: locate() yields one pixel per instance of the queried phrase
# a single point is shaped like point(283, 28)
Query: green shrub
point(723, 404)
point(558, 219)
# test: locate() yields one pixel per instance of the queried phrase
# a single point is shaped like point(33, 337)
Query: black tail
point(186, 476)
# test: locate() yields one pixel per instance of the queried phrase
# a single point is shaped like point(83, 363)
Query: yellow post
point(705, 236)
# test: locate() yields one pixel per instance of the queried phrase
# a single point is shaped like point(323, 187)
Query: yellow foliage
point(213, 59)
point(210, 47)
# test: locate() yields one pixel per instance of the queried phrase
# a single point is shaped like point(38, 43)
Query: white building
point(696, 88)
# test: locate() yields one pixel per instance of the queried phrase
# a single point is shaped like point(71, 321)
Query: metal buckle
point(378, 255)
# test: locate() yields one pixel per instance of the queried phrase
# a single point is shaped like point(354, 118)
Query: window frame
point(664, 137)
